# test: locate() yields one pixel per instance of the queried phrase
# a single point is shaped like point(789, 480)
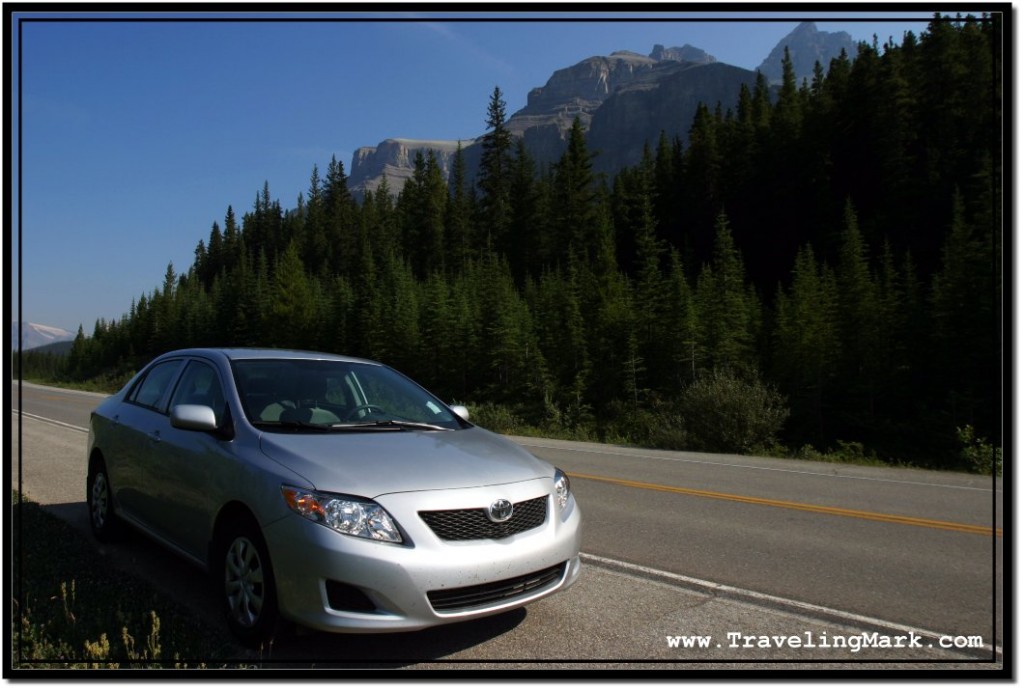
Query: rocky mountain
point(585, 89)
point(623, 101)
point(664, 101)
point(394, 158)
point(37, 335)
point(806, 46)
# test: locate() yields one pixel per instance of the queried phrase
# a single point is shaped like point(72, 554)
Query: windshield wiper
point(382, 425)
point(292, 424)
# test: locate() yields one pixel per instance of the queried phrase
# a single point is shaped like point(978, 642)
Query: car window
point(199, 385)
point(150, 391)
point(387, 390)
point(329, 392)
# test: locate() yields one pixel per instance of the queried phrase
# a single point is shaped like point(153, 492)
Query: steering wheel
point(368, 407)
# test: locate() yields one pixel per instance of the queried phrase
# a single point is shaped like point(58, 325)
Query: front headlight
point(349, 516)
point(561, 489)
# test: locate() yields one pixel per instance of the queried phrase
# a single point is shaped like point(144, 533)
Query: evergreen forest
point(818, 269)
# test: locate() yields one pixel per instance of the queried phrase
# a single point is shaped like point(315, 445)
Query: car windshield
point(328, 395)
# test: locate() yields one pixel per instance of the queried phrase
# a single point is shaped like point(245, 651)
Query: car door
point(182, 475)
point(133, 426)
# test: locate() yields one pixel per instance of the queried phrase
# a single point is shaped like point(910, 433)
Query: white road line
point(50, 421)
point(771, 600)
point(751, 467)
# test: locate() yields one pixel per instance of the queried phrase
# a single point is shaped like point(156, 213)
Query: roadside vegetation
point(816, 272)
point(64, 615)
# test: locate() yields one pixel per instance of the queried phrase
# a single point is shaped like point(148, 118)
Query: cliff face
point(395, 159)
point(576, 91)
point(666, 102)
point(583, 90)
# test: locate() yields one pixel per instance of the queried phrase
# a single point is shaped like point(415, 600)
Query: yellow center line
point(814, 508)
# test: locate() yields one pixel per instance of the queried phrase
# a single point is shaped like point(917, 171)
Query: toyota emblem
point(500, 511)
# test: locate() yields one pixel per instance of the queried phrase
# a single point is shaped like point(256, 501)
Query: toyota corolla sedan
point(329, 491)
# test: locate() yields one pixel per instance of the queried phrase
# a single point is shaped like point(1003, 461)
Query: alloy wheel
point(244, 583)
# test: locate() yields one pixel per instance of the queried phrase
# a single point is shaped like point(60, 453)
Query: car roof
point(236, 354)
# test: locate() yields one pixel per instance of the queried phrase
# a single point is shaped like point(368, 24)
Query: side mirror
point(199, 418)
point(462, 411)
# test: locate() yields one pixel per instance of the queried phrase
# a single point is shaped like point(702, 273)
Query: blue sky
point(137, 135)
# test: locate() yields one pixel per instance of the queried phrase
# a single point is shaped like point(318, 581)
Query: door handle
point(155, 436)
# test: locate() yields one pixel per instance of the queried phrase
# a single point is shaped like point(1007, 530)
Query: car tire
point(247, 586)
point(99, 499)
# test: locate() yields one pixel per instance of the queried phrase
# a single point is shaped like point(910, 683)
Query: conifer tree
point(340, 231)
point(573, 198)
point(421, 209)
point(964, 312)
point(859, 367)
point(292, 306)
point(725, 306)
point(806, 344)
point(527, 227)
point(459, 216)
point(314, 250)
point(494, 175)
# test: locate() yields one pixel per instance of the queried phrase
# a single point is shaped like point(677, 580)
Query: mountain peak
point(803, 29)
point(807, 45)
point(685, 53)
point(35, 335)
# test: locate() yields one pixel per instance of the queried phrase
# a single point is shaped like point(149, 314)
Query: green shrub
point(496, 417)
point(658, 428)
point(725, 412)
point(977, 453)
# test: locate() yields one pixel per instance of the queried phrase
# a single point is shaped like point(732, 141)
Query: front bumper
point(393, 585)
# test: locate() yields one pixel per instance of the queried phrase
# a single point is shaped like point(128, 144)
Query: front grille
point(476, 596)
point(473, 524)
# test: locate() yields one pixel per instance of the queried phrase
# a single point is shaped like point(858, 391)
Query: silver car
point(329, 491)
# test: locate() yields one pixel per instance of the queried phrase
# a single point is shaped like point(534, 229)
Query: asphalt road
point(675, 544)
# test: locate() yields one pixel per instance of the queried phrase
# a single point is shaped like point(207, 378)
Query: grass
point(72, 611)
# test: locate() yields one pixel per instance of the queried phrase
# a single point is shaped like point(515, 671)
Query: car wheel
point(100, 500)
point(249, 593)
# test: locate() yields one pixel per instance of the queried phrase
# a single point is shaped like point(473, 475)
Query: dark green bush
point(724, 412)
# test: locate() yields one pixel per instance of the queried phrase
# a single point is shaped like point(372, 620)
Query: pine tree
point(562, 334)
point(701, 182)
point(650, 293)
point(400, 329)
point(806, 344)
point(459, 236)
point(668, 185)
point(232, 239)
point(859, 327)
point(786, 114)
point(725, 307)
point(421, 210)
point(292, 307)
point(494, 176)
point(314, 250)
point(681, 328)
point(573, 198)
point(527, 228)
point(965, 309)
point(339, 211)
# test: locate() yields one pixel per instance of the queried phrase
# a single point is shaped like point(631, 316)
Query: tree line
point(817, 266)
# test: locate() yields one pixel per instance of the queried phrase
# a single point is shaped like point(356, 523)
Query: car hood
point(369, 464)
